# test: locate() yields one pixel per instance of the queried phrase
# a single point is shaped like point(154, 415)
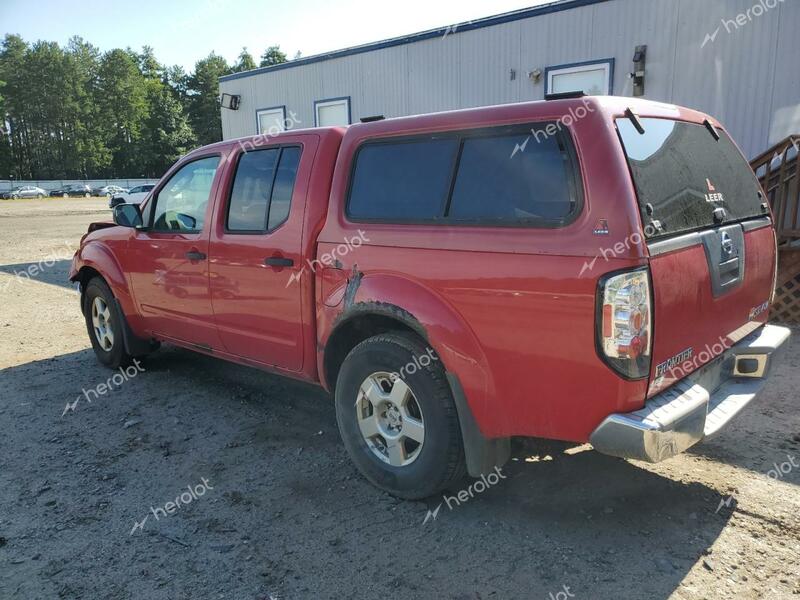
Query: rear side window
point(262, 189)
point(683, 176)
point(491, 185)
point(508, 176)
point(405, 180)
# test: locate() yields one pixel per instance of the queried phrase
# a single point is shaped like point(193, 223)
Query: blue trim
point(603, 61)
point(258, 110)
point(349, 108)
point(525, 13)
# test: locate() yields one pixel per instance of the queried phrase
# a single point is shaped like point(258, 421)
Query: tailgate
point(710, 240)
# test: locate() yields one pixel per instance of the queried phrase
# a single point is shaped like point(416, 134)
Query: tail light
point(625, 323)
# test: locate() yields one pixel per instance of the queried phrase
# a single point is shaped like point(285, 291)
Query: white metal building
point(735, 59)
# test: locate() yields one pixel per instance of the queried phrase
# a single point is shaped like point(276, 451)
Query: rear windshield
point(682, 175)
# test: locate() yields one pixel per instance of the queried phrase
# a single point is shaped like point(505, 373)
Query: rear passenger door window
point(512, 176)
point(262, 190)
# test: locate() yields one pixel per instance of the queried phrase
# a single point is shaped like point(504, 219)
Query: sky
point(182, 32)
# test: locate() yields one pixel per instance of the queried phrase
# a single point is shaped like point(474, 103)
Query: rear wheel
point(87, 195)
point(402, 433)
point(40, 196)
point(103, 326)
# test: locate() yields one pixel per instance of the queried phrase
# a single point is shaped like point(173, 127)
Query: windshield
point(683, 175)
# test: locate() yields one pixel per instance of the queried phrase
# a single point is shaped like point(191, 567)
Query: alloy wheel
point(390, 419)
point(101, 322)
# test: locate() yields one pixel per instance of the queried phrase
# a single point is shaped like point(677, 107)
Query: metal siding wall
point(486, 57)
point(621, 26)
point(433, 75)
point(785, 113)
point(384, 77)
point(554, 39)
point(747, 78)
point(731, 77)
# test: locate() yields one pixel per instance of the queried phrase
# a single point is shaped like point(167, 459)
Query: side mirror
point(128, 215)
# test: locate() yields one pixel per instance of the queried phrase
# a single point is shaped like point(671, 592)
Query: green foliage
point(245, 62)
point(272, 56)
point(203, 98)
point(73, 112)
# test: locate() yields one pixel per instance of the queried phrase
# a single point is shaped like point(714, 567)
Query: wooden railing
point(777, 169)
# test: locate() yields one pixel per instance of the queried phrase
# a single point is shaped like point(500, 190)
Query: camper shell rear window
point(683, 174)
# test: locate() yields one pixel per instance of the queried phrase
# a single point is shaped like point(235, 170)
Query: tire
point(87, 195)
point(109, 351)
point(39, 196)
point(422, 469)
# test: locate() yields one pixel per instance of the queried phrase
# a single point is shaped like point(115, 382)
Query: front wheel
point(103, 326)
point(397, 416)
point(87, 195)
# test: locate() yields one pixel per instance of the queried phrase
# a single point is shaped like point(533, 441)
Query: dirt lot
point(277, 511)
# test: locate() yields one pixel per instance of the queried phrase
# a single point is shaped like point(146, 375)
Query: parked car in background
point(135, 195)
point(461, 278)
point(25, 191)
point(109, 190)
point(75, 190)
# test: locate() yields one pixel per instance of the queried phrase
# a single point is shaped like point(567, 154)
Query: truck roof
point(483, 116)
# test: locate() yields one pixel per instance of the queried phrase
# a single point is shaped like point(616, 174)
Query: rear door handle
point(195, 255)
point(278, 261)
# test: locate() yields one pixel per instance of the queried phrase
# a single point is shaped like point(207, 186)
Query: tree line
point(75, 112)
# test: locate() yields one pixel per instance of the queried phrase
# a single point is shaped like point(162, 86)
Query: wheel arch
point(94, 259)
point(376, 303)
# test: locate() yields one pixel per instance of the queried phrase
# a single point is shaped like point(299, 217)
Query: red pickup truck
point(579, 269)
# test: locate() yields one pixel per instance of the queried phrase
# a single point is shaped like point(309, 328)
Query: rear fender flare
point(433, 319)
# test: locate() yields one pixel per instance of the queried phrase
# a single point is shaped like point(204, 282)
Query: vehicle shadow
point(773, 418)
point(289, 514)
point(51, 272)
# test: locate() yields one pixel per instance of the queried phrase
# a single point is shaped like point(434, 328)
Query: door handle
point(195, 255)
point(278, 261)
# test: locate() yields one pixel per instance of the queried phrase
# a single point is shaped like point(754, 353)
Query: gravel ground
point(277, 511)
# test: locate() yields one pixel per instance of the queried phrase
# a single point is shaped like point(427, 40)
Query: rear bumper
point(696, 407)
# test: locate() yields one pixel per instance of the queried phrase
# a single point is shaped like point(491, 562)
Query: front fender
point(434, 319)
point(99, 257)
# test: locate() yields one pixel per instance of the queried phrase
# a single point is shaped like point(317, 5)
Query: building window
point(332, 112)
point(594, 78)
point(271, 120)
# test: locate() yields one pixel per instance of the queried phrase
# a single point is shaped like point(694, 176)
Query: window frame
point(270, 109)
point(331, 102)
point(563, 135)
point(229, 191)
point(153, 204)
point(580, 67)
